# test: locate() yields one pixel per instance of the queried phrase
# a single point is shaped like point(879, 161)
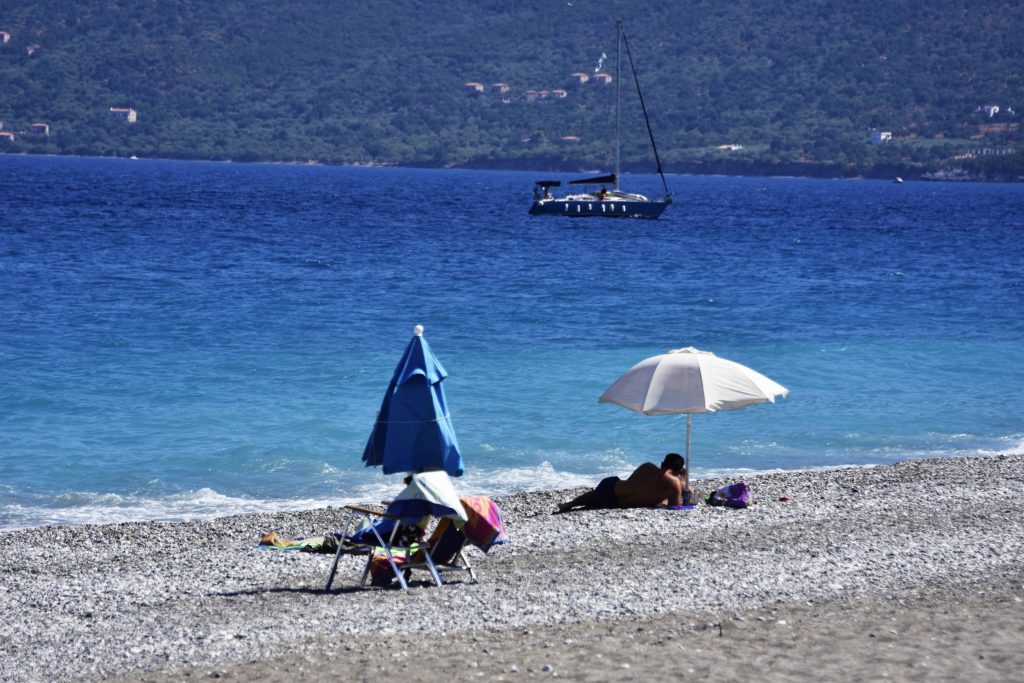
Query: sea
point(186, 340)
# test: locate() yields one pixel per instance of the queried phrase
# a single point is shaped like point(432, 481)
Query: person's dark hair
point(674, 462)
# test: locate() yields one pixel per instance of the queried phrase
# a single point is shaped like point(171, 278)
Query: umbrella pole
point(688, 449)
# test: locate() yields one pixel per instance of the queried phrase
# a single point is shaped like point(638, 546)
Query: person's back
point(649, 485)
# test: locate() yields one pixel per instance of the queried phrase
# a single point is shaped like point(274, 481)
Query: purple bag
point(731, 496)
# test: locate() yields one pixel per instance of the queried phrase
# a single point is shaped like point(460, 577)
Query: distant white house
point(5, 37)
point(730, 147)
point(990, 109)
point(880, 137)
point(126, 113)
point(39, 129)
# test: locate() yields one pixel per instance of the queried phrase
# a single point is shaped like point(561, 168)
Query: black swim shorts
point(606, 493)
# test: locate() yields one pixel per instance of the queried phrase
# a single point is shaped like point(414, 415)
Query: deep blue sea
point(184, 340)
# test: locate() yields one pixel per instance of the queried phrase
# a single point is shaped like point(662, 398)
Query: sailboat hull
point(576, 208)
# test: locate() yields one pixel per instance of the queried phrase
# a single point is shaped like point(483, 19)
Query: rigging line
point(643, 106)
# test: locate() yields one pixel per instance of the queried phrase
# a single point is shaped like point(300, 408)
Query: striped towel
point(485, 528)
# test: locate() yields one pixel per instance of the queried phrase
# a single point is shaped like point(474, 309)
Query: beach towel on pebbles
point(314, 544)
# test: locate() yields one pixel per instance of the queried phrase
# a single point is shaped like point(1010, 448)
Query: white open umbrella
point(687, 381)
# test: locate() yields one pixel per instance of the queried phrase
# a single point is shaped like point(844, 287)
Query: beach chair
point(395, 547)
point(393, 539)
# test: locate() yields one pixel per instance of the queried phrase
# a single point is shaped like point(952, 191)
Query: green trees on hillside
point(798, 84)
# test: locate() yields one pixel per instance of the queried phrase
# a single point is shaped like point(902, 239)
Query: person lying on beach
point(648, 486)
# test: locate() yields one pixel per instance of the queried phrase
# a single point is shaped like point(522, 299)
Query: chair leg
point(366, 569)
point(334, 566)
point(432, 567)
point(398, 572)
point(469, 567)
point(391, 558)
point(337, 553)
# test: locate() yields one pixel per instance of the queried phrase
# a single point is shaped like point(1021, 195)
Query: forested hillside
point(795, 86)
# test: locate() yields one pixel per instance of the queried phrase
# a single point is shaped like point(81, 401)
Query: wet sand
point(910, 571)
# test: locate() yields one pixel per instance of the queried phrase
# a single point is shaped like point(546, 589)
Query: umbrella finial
point(691, 349)
point(418, 330)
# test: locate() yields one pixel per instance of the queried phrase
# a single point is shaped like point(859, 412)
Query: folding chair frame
point(357, 514)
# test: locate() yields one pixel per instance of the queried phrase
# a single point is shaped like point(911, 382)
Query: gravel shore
point(911, 571)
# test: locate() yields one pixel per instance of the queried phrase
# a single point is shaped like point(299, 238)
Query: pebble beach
point(909, 571)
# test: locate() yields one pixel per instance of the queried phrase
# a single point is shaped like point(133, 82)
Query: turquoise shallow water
point(182, 340)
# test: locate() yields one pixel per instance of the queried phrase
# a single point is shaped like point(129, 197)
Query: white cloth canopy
point(429, 493)
point(690, 381)
point(686, 381)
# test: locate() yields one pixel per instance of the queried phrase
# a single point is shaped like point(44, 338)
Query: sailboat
point(588, 200)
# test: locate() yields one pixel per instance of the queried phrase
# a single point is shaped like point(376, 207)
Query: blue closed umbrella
point(413, 432)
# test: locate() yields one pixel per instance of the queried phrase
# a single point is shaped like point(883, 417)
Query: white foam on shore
point(1016, 449)
point(77, 508)
point(110, 508)
point(543, 477)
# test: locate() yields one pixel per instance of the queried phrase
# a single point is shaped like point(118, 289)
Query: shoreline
point(911, 570)
point(737, 474)
point(820, 171)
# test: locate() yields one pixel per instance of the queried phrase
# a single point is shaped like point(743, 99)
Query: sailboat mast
point(643, 107)
point(618, 90)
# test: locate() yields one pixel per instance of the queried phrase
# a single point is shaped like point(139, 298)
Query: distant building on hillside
point(601, 79)
point(31, 49)
point(126, 113)
point(532, 96)
point(986, 151)
point(5, 37)
point(9, 137)
point(732, 147)
point(473, 88)
point(499, 88)
point(570, 139)
point(990, 109)
point(40, 129)
point(559, 94)
point(880, 137)
point(578, 78)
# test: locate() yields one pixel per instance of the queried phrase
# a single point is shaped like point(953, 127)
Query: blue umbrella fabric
point(413, 432)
